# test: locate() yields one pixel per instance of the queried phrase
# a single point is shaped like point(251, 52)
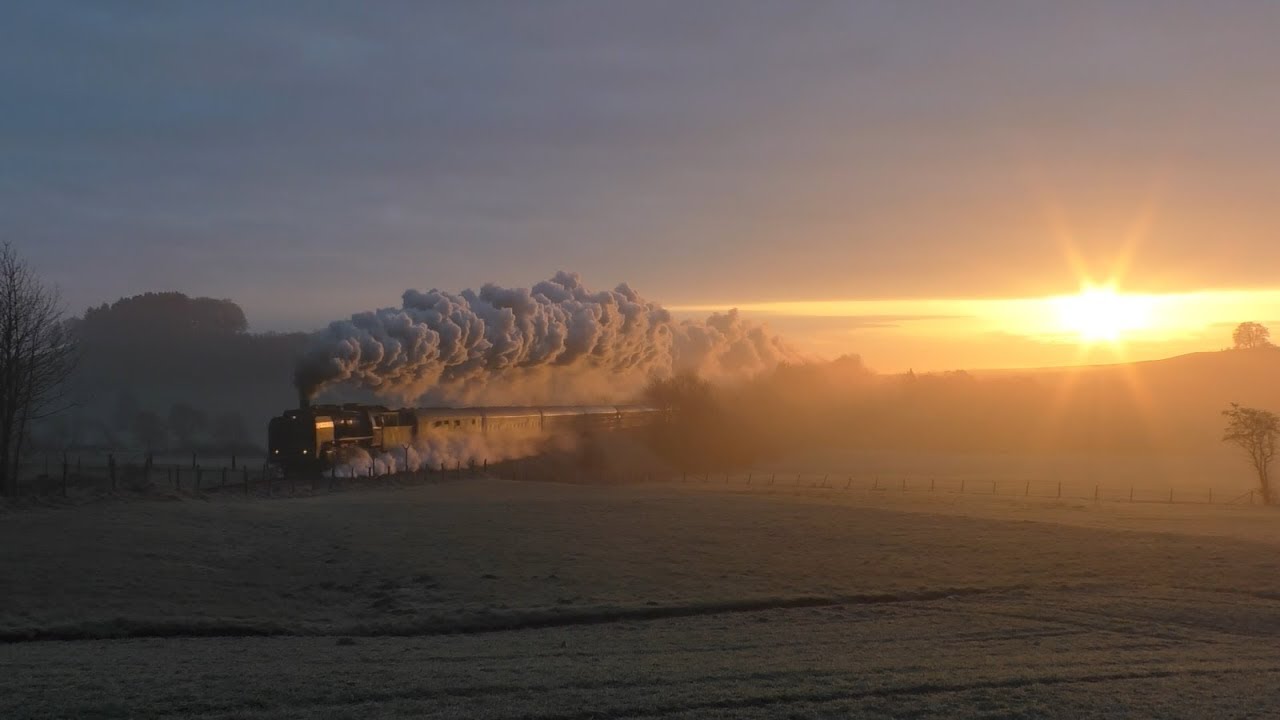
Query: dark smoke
point(555, 342)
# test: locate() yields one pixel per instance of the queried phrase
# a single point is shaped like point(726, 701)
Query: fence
point(108, 474)
point(1097, 492)
point(52, 476)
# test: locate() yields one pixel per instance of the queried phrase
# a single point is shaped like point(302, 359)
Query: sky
point(892, 179)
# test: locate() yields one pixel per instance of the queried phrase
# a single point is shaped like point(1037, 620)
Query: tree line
point(154, 372)
point(163, 371)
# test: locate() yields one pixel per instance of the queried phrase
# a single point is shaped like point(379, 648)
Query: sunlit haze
point(1098, 324)
point(903, 181)
point(568, 359)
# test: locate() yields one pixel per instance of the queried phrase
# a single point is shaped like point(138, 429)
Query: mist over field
point(572, 360)
point(140, 355)
point(1061, 542)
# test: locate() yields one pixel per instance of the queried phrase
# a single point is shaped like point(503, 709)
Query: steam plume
point(555, 342)
point(447, 451)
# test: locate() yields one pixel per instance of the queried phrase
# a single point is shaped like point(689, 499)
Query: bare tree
point(1251, 335)
point(36, 357)
point(1256, 432)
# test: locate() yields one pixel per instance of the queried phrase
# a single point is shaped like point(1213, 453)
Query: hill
point(1173, 402)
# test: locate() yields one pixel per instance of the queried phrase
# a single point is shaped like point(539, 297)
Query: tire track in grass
point(127, 628)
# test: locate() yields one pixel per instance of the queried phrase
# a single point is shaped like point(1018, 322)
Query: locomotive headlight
point(304, 452)
point(275, 452)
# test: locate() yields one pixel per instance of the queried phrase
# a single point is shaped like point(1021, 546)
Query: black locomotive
point(312, 437)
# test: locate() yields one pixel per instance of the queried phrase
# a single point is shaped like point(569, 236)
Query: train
point(314, 436)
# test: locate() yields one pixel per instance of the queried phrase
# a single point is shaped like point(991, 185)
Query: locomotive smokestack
point(304, 399)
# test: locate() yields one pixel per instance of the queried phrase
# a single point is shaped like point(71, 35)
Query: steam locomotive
point(312, 437)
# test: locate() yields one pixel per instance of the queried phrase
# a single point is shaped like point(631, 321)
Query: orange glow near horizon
point(1100, 323)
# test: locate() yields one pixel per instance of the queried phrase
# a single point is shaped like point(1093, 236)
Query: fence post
point(748, 478)
point(875, 483)
point(224, 477)
point(962, 485)
point(993, 487)
point(193, 460)
point(772, 478)
point(931, 483)
point(233, 461)
point(1130, 493)
point(848, 483)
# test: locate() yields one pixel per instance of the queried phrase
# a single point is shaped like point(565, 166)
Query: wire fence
point(1147, 492)
point(69, 475)
point(110, 474)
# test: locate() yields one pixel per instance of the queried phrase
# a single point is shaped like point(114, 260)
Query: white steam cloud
point(448, 451)
point(557, 342)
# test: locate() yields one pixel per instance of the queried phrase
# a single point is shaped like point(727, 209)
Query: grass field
point(497, 599)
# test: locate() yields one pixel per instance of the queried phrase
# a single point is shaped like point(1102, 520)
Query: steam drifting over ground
point(555, 342)
point(433, 452)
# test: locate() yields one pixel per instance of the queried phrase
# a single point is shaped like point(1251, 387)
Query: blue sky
point(310, 159)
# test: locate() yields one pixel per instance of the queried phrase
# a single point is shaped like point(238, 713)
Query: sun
point(1101, 314)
